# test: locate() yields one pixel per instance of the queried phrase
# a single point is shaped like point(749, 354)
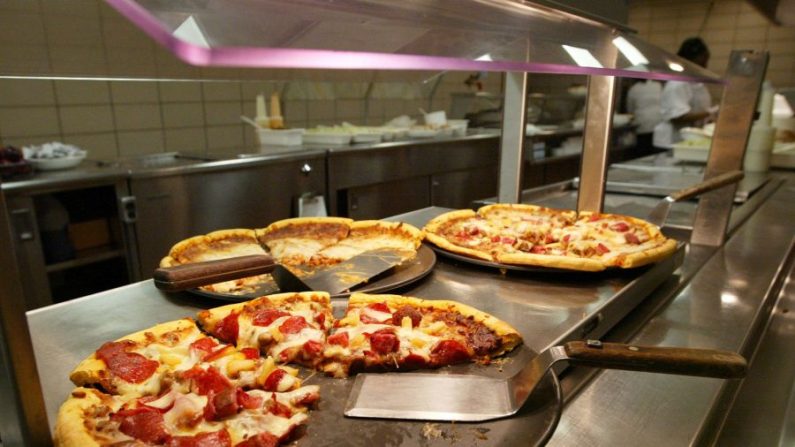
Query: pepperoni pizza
point(546, 237)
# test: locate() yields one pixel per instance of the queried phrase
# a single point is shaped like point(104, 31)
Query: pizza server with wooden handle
point(335, 279)
point(398, 395)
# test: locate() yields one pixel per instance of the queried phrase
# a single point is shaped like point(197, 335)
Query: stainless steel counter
point(719, 298)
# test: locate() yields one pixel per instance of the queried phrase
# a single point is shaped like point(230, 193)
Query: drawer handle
point(306, 168)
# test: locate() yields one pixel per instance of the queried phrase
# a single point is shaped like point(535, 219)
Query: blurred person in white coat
point(643, 102)
point(684, 104)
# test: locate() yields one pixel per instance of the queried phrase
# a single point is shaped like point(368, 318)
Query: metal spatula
point(450, 397)
point(658, 215)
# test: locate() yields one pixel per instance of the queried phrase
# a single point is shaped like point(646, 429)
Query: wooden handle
point(686, 361)
point(708, 185)
point(188, 276)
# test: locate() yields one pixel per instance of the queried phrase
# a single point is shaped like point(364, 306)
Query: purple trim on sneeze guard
point(350, 60)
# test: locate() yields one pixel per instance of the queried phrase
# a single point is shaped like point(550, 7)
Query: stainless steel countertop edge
point(718, 308)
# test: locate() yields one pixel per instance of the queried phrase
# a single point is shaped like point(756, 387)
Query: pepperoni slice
point(205, 344)
point(340, 338)
point(278, 408)
point(631, 238)
point(228, 328)
point(248, 401)
point(601, 249)
point(538, 249)
point(313, 348)
point(447, 352)
point(620, 227)
point(406, 311)
point(272, 382)
point(267, 316)
point(321, 319)
point(221, 404)
point(207, 381)
point(260, 440)
point(129, 366)
point(218, 438)
point(384, 341)
point(144, 423)
point(293, 325)
point(250, 353)
point(414, 361)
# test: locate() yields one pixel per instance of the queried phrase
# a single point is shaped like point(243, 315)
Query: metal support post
point(744, 78)
point(597, 137)
point(514, 112)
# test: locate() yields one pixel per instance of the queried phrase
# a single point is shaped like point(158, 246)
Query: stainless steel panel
point(354, 167)
point(388, 198)
point(596, 143)
point(722, 307)
point(29, 252)
point(744, 79)
point(514, 114)
point(458, 189)
point(171, 208)
point(23, 419)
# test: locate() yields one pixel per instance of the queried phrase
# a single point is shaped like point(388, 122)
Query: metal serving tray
point(546, 308)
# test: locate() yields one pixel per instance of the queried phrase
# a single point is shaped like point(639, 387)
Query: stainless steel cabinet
point(68, 242)
point(168, 208)
point(396, 178)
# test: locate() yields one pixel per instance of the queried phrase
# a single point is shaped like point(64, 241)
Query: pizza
point(174, 385)
point(393, 332)
point(302, 244)
point(226, 381)
point(220, 244)
point(546, 237)
point(290, 327)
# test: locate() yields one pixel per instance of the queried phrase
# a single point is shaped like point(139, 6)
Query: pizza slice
point(369, 235)
point(220, 244)
point(392, 332)
point(147, 362)
point(295, 241)
point(213, 413)
point(465, 232)
point(290, 327)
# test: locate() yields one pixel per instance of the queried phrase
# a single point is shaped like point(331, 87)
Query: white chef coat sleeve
point(675, 100)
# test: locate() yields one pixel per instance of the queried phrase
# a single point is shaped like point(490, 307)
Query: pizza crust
point(437, 223)
point(215, 245)
point(509, 336)
point(551, 261)
point(70, 425)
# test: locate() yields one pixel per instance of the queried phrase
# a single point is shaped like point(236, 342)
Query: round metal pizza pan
point(499, 265)
point(402, 275)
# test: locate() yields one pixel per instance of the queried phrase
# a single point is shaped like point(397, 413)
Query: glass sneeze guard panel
point(471, 35)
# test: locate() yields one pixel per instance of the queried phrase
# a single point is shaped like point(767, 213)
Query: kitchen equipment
point(280, 137)
point(658, 215)
point(252, 122)
point(450, 397)
point(334, 279)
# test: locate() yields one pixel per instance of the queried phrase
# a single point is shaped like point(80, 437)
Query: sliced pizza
point(290, 327)
point(295, 241)
point(392, 332)
point(221, 244)
point(369, 235)
point(214, 414)
point(546, 237)
point(147, 362)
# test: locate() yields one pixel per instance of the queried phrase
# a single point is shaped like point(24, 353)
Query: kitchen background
point(171, 106)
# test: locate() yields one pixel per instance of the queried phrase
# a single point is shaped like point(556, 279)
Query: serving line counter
point(701, 297)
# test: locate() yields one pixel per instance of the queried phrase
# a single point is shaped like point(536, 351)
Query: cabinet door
point(29, 252)
point(387, 199)
point(169, 209)
point(459, 189)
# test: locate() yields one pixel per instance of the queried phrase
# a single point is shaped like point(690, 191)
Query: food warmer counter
point(515, 38)
point(700, 297)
